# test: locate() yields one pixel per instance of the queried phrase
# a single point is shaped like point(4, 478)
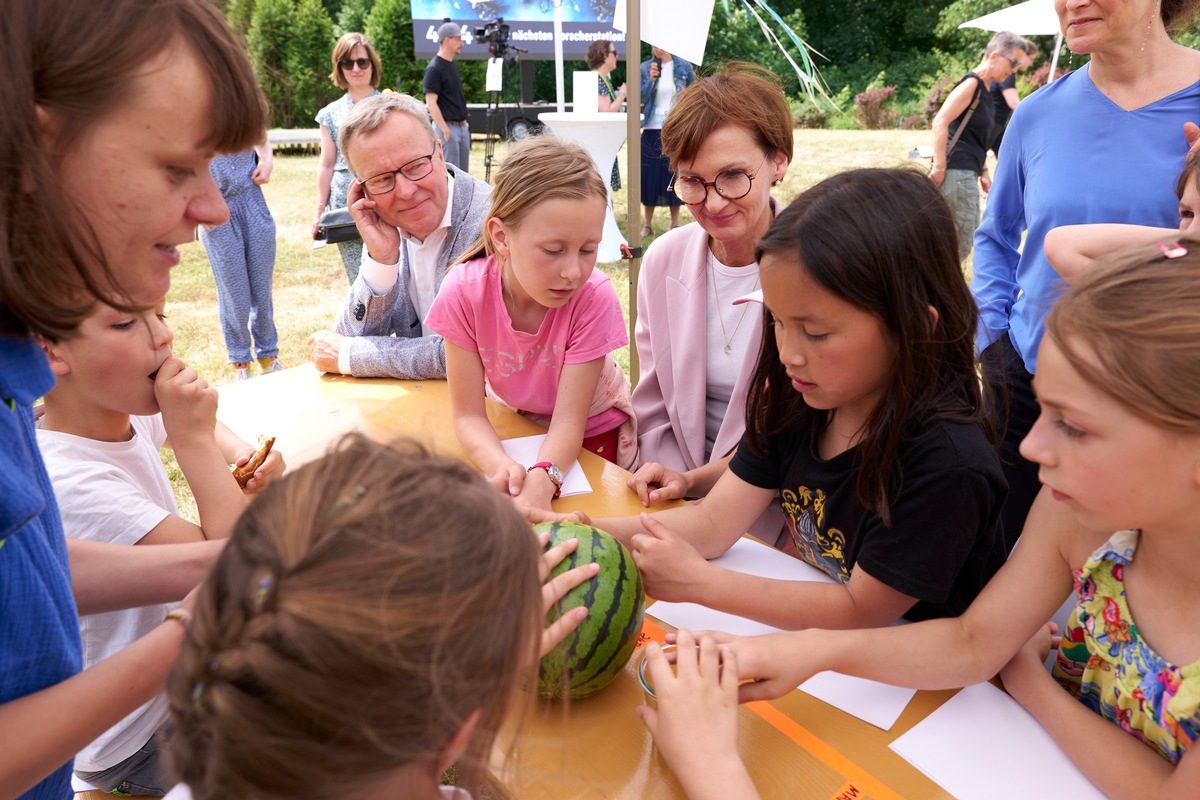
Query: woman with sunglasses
point(962, 129)
point(356, 69)
point(728, 140)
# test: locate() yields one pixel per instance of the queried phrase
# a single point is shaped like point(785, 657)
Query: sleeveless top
point(1106, 664)
point(970, 151)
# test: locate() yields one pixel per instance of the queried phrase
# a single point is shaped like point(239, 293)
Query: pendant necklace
point(720, 316)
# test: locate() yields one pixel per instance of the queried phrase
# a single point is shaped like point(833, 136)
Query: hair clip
point(1172, 250)
point(355, 493)
point(261, 593)
point(197, 696)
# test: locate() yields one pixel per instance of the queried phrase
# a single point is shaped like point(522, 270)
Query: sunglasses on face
point(361, 63)
point(1012, 61)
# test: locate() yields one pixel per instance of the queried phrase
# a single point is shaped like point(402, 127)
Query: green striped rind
point(591, 657)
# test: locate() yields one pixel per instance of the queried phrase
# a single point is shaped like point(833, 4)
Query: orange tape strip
point(854, 774)
point(848, 792)
point(858, 780)
point(650, 630)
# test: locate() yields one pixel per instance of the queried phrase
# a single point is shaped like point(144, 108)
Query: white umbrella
point(1031, 18)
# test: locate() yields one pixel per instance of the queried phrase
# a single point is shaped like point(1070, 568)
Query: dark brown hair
point(1178, 11)
point(882, 240)
point(596, 53)
point(75, 62)
point(366, 605)
point(741, 94)
point(1130, 326)
point(343, 48)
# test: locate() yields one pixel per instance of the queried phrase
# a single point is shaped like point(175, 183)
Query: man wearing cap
point(444, 97)
point(416, 215)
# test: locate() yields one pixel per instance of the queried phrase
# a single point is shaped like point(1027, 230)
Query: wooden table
point(795, 747)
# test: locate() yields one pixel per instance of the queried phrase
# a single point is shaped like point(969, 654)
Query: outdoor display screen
point(530, 27)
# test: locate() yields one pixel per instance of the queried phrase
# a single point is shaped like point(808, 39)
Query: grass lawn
point(310, 285)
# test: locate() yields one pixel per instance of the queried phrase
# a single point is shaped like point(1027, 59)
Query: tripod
point(494, 100)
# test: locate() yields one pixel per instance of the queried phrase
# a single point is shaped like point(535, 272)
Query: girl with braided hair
point(343, 645)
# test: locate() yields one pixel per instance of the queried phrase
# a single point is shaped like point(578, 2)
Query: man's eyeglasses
point(361, 63)
point(413, 170)
point(732, 184)
point(612, 52)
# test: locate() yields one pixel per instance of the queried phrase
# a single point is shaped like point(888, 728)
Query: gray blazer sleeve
point(388, 340)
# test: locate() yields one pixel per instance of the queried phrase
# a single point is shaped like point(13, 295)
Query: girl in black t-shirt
point(865, 418)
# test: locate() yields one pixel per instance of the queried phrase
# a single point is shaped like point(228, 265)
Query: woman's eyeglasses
point(413, 170)
point(732, 184)
point(361, 63)
point(1012, 61)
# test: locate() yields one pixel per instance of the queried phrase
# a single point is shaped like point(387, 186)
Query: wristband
point(936, 170)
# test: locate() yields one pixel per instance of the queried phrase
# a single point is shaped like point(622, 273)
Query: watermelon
point(591, 656)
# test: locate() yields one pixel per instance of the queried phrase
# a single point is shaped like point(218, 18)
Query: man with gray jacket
point(416, 214)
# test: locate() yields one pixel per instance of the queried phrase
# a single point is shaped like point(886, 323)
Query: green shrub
point(352, 17)
point(389, 27)
point(308, 62)
point(238, 14)
point(737, 36)
point(267, 41)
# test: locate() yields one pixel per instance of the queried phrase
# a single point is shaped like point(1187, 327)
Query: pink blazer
point(671, 339)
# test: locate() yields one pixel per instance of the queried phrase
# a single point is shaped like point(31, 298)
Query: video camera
point(495, 33)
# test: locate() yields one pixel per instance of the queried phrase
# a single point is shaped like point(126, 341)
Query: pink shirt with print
point(523, 369)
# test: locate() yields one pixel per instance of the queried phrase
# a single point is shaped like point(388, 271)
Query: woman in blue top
point(112, 111)
point(1102, 144)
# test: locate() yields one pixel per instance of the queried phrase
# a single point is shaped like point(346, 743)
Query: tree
point(238, 14)
point(352, 18)
point(308, 62)
point(735, 35)
point(267, 41)
point(389, 27)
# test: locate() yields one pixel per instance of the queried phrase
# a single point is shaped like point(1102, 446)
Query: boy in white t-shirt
point(120, 396)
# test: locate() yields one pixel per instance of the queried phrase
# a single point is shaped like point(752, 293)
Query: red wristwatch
point(555, 474)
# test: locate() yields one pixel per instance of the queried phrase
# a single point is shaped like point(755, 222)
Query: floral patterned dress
point(1104, 661)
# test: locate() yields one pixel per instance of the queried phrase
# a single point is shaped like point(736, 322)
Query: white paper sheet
point(876, 703)
point(524, 450)
point(879, 704)
point(494, 78)
point(981, 745)
point(678, 26)
point(584, 97)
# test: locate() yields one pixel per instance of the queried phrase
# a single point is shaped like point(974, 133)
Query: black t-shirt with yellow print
point(946, 539)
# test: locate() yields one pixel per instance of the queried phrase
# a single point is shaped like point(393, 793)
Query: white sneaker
point(269, 365)
point(241, 372)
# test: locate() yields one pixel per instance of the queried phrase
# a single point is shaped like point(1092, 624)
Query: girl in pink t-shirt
point(529, 322)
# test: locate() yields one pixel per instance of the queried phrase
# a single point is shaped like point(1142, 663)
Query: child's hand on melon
point(556, 588)
point(672, 568)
